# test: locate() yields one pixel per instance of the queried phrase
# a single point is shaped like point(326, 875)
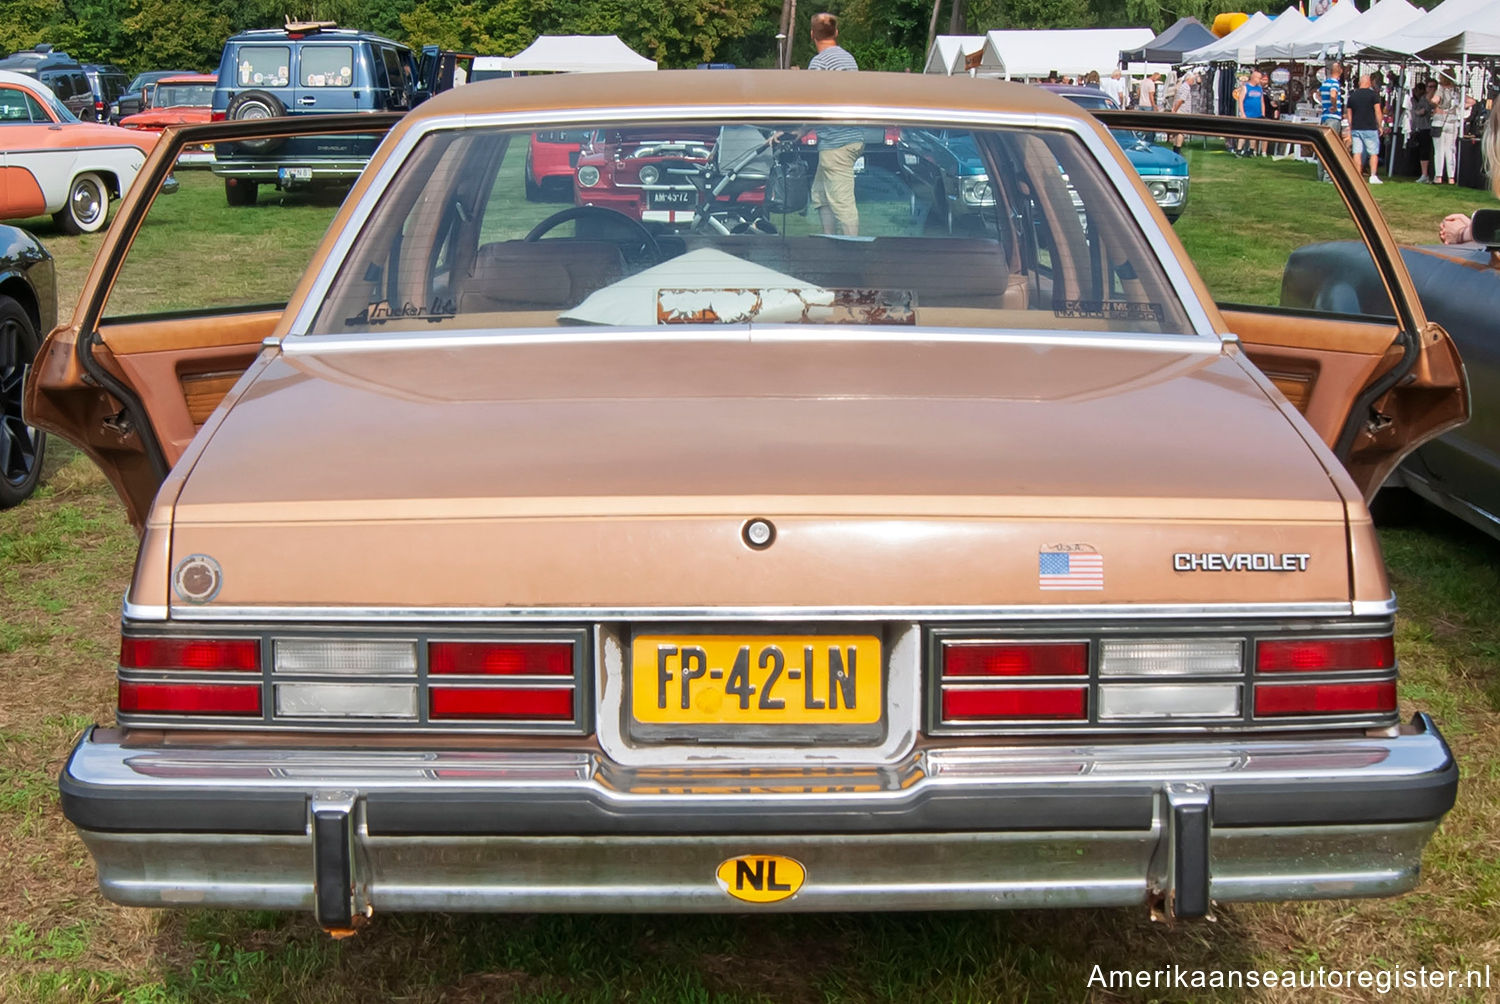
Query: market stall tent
point(1073, 50)
point(1284, 29)
point(578, 54)
point(1168, 47)
point(1327, 31)
point(1446, 27)
point(1228, 47)
point(949, 52)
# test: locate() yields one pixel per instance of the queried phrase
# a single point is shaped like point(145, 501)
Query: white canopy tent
point(1283, 29)
point(1447, 27)
point(1309, 43)
point(1074, 50)
point(1229, 46)
point(578, 54)
point(1382, 19)
point(949, 52)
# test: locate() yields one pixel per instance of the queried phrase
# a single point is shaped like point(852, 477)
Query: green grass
point(65, 558)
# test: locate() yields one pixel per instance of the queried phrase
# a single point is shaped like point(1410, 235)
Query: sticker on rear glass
point(1110, 310)
point(1069, 566)
point(786, 305)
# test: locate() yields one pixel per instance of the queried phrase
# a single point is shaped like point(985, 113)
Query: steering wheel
point(639, 247)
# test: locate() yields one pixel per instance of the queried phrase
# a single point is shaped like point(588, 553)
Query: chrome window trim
point(1137, 208)
point(1048, 612)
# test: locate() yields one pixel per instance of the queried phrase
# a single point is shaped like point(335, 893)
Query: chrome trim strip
point(328, 344)
point(1135, 204)
point(210, 613)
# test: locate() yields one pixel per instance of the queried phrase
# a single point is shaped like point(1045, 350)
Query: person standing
point(1365, 112)
point(1116, 88)
point(1422, 101)
point(1182, 104)
point(838, 146)
point(1250, 102)
point(1331, 106)
point(1445, 122)
point(1146, 95)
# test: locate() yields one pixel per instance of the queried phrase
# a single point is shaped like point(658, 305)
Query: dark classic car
point(946, 166)
point(1460, 289)
point(28, 310)
point(789, 571)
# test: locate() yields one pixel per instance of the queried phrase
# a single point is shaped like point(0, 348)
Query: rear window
point(176, 95)
point(264, 66)
point(755, 223)
point(327, 66)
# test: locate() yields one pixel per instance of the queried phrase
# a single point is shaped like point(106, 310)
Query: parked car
point(551, 159)
point(106, 83)
point(1460, 289)
point(28, 310)
point(789, 571)
point(312, 68)
point(646, 174)
point(175, 101)
point(56, 164)
point(947, 175)
point(59, 73)
point(1165, 172)
point(134, 97)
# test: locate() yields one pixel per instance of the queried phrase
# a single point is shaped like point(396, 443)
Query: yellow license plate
point(756, 680)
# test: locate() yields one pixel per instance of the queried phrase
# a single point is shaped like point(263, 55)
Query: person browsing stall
point(838, 146)
point(1365, 112)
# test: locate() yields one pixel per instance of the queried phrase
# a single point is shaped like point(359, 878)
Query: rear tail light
point(1015, 703)
point(189, 698)
point(971, 691)
point(324, 655)
point(501, 658)
point(536, 704)
point(218, 116)
point(1272, 700)
point(1318, 655)
point(232, 654)
point(1015, 659)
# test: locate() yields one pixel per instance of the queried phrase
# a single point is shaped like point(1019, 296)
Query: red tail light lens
point(1015, 702)
point(501, 658)
point(232, 654)
point(1324, 698)
point(190, 698)
point(218, 116)
point(1318, 655)
point(1009, 659)
point(526, 703)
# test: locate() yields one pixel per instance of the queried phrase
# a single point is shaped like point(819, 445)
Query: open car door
point(180, 297)
point(1366, 368)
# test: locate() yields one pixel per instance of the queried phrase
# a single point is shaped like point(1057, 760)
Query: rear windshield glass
point(751, 223)
point(175, 95)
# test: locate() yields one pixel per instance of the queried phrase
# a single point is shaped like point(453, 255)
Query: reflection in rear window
point(753, 223)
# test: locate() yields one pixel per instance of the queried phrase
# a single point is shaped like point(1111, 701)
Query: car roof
point(318, 35)
point(25, 79)
point(864, 93)
point(34, 61)
point(102, 68)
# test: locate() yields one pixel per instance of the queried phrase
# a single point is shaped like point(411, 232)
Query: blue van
point(312, 68)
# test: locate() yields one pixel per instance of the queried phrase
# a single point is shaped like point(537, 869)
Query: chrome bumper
point(345, 832)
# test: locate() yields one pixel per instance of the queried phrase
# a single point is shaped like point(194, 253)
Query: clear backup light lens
point(650, 175)
point(588, 176)
point(1120, 701)
point(319, 655)
point(1208, 657)
point(346, 700)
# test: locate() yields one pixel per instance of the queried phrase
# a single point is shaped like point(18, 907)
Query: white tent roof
point(1287, 26)
point(1382, 19)
point(1309, 44)
point(579, 54)
point(948, 52)
point(1444, 26)
point(1073, 50)
point(1228, 47)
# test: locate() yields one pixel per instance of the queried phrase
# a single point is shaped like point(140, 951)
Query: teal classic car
point(1165, 172)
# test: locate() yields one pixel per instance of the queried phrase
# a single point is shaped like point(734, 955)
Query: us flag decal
point(1070, 568)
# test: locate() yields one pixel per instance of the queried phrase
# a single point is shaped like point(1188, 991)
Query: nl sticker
point(1069, 566)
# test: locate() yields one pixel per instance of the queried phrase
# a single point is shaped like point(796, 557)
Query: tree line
point(882, 34)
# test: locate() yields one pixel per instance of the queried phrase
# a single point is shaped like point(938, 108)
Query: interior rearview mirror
point(1486, 226)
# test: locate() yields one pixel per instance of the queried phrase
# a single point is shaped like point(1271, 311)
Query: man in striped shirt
point(838, 146)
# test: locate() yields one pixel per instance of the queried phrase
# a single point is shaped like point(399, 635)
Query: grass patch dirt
point(65, 558)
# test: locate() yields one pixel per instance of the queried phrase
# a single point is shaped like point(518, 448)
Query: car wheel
point(249, 106)
point(21, 447)
point(238, 192)
point(87, 208)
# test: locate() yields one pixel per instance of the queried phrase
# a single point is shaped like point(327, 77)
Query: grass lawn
point(66, 556)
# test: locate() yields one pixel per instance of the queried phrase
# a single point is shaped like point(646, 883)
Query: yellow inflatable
point(1225, 23)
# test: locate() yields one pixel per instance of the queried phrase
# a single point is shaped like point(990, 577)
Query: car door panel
point(1374, 389)
point(132, 392)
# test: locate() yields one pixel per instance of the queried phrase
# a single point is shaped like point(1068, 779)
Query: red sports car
point(551, 158)
point(648, 174)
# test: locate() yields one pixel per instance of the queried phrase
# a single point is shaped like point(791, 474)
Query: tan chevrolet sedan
point(751, 529)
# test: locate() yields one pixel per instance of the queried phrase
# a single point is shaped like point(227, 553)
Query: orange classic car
point(50, 162)
point(178, 100)
point(552, 559)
